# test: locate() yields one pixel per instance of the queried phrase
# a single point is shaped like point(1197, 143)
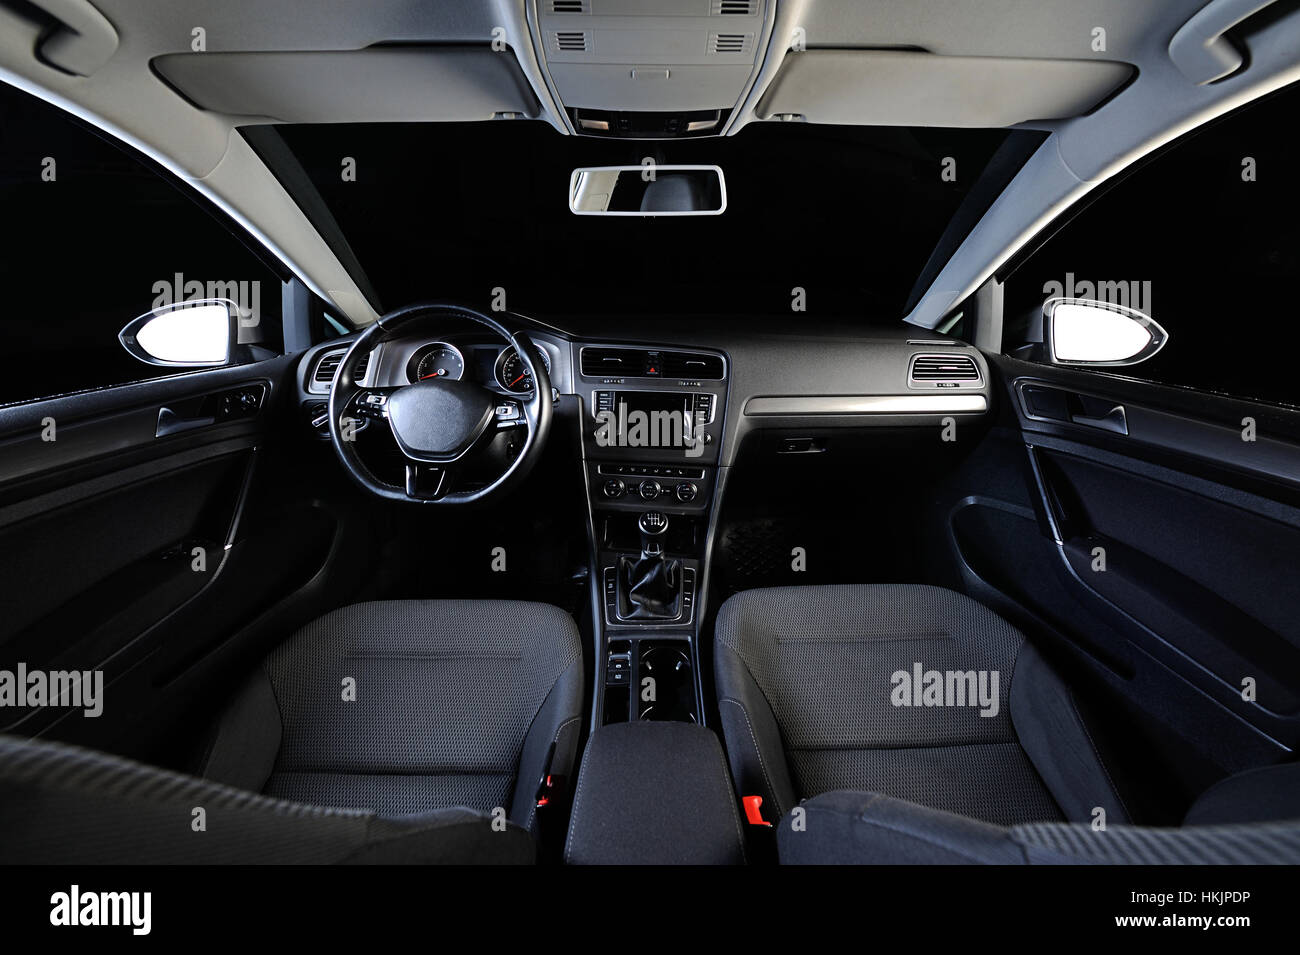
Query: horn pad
point(437, 420)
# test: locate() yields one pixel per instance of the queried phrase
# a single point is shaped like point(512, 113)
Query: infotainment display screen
point(649, 402)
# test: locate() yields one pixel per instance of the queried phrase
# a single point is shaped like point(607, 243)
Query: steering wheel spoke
point(427, 482)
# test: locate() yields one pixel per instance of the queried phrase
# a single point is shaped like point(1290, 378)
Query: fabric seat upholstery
point(409, 706)
point(64, 805)
point(805, 681)
point(1251, 818)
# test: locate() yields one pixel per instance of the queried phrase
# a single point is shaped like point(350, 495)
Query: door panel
point(100, 531)
point(1163, 550)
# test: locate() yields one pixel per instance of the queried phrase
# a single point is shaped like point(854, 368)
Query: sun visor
point(904, 88)
point(375, 85)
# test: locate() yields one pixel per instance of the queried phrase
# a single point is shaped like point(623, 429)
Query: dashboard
point(773, 378)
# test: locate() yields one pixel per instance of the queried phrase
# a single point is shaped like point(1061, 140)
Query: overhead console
point(652, 69)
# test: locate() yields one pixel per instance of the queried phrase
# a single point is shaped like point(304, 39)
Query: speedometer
point(513, 375)
point(436, 360)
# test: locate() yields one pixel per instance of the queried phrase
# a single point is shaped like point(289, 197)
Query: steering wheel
point(439, 425)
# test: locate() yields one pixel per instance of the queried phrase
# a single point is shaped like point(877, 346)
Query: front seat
point(64, 805)
point(810, 691)
point(382, 732)
point(406, 706)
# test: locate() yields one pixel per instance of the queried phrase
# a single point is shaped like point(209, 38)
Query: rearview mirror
point(647, 190)
point(187, 333)
point(1085, 332)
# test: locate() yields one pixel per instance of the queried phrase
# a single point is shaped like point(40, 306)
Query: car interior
point(630, 432)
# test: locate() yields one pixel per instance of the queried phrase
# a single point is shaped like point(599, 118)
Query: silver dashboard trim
point(866, 404)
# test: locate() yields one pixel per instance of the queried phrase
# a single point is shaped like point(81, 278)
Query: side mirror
point(647, 191)
point(1084, 332)
point(200, 333)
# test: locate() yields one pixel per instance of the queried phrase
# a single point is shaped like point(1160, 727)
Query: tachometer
point(513, 375)
point(436, 360)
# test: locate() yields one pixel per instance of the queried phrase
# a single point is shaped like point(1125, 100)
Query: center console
point(651, 434)
point(652, 430)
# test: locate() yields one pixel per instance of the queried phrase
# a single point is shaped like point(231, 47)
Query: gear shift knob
point(654, 527)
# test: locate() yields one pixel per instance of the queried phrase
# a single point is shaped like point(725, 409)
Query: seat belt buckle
point(754, 811)
point(551, 786)
point(549, 790)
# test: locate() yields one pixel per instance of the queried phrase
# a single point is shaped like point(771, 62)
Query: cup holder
point(672, 694)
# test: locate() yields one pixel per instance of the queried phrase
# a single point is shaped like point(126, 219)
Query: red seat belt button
point(754, 810)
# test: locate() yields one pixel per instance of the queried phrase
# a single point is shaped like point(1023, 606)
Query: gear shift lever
point(650, 586)
point(654, 527)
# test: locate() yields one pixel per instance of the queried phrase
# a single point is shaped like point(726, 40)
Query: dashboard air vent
point(568, 6)
point(944, 368)
point(648, 363)
point(570, 41)
point(328, 366)
point(613, 362)
point(729, 42)
point(692, 367)
point(736, 8)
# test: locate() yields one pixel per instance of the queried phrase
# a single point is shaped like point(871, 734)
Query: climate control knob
point(649, 490)
point(686, 491)
point(614, 488)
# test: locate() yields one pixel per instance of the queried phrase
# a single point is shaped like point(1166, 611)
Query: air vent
point(570, 41)
point(729, 42)
point(613, 362)
point(568, 6)
point(733, 8)
point(692, 367)
point(328, 366)
point(645, 363)
point(944, 368)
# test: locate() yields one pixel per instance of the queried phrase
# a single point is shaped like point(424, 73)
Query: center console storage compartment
point(652, 793)
point(651, 679)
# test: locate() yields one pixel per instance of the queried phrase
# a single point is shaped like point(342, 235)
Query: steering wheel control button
point(686, 492)
point(649, 490)
point(614, 488)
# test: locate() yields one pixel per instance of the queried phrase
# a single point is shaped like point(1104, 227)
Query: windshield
point(849, 215)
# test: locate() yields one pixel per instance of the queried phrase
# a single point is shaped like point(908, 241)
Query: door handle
point(169, 422)
point(1114, 420)
point(1043, 402)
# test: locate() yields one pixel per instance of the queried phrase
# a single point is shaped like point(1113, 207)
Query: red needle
point(517, 380)
point(432, 374)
